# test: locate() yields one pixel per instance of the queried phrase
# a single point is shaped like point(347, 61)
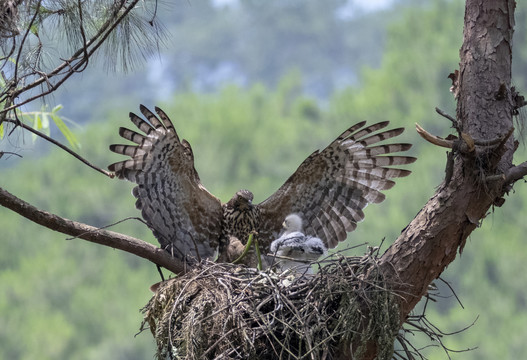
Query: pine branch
point(90, 233)
point(76, 63)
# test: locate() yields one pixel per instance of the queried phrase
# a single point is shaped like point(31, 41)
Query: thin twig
point(2, 153)
point(444, 114)
point(63, 147)
point(111, 225)
point(452, 290)
point(83, 35)
point(28, 29)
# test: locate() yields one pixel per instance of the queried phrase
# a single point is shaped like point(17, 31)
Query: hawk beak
point(283, 224)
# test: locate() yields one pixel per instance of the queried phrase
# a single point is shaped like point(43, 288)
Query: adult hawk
point(328, 191)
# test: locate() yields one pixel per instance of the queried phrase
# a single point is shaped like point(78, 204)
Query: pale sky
point(364, 5)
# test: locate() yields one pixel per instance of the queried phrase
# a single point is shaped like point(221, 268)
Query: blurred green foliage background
point(296, 75)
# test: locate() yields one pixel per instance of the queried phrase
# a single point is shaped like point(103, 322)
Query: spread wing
point(183, 215)
point(331, 187)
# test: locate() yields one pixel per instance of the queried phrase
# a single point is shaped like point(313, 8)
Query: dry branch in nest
point(226, 311)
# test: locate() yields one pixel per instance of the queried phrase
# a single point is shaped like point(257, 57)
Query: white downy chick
point(295, 244)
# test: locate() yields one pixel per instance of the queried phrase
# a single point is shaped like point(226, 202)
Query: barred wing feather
point(331, 187)
point(183, 215)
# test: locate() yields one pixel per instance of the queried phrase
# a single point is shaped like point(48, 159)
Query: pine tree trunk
point(484, 111)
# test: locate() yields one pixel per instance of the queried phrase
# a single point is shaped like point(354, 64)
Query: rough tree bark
point(431, 240)
point(484, 112)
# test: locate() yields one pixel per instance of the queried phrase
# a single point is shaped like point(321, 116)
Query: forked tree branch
point(90, 233)
point(439, 231)
point(432, 240)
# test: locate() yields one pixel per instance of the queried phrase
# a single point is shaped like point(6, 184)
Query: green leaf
point(45, 123)
point(37, 125)
point(34, 29)
point(1, 131)
point(65, 131)
point(57, 108)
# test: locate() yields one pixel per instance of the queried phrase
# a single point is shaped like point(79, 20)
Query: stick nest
point(226, 311)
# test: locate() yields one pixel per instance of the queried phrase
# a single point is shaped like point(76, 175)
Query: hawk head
point(242, 200)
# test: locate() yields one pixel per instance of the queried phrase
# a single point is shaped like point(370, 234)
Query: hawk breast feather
point(328, 191)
